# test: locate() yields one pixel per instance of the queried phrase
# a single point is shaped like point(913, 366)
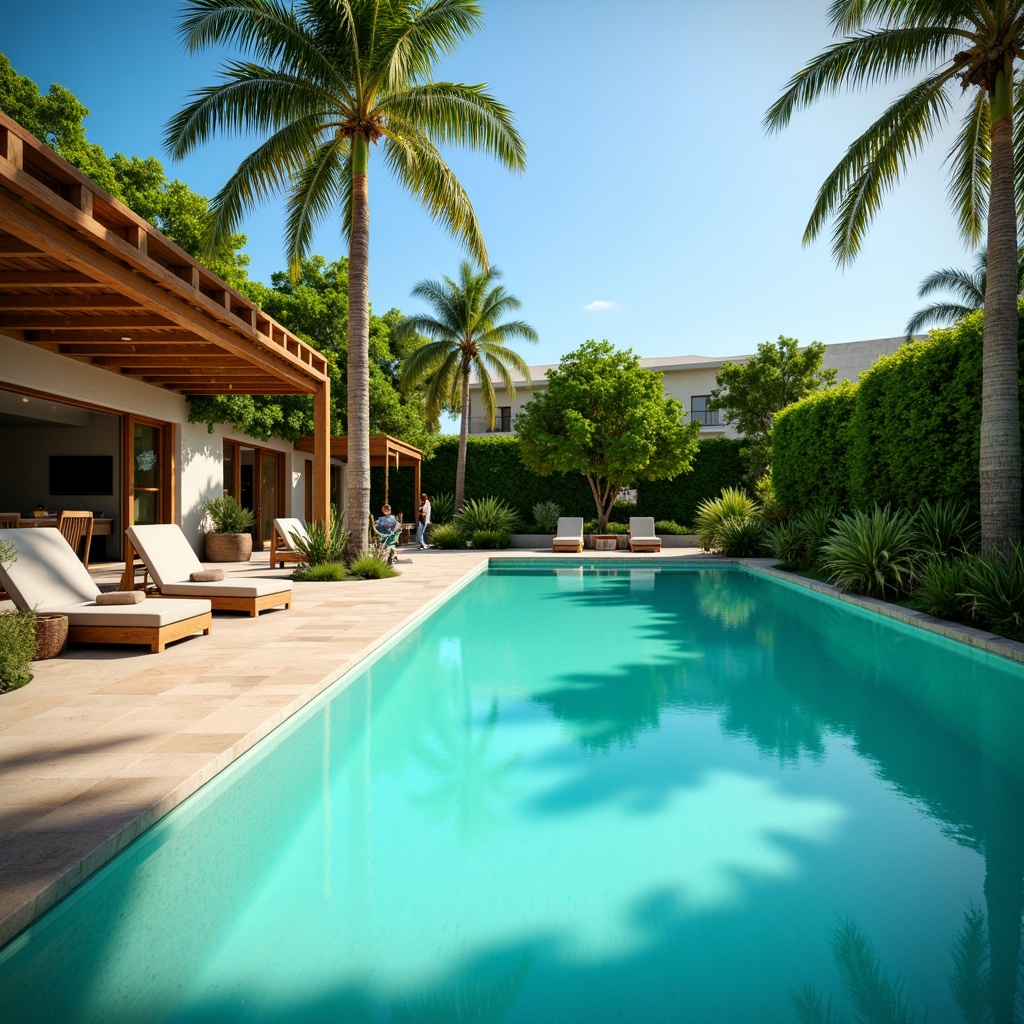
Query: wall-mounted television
point(82, 474)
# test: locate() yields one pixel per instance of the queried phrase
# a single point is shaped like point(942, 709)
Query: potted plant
point(17, 638)
point(229, 540)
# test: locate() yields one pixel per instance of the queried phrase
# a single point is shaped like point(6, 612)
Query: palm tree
point(329, 80)
point(468, 336)
point(968, 287)
point(956, 45)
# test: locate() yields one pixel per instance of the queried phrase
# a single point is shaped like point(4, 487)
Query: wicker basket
point(51, 635)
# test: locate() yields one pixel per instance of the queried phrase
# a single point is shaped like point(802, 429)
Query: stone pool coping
point(106, 741)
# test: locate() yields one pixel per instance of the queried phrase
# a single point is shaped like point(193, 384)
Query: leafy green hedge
point(811, 449)
point(493, 468)
point(911, 435)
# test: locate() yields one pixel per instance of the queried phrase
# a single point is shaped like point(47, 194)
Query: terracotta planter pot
point(228, 547)
point(51, 635)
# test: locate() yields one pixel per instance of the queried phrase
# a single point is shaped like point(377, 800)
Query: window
point(700, 412)
point(503, 418)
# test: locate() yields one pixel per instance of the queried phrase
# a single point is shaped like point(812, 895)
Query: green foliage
point(995, 588)
point(487, 513)
point(751, 394)
point(872, 553)
point(491, 539)
point(447, 535)
point(442, 507)
point(785, 541)
point(945, 529)
point(17, 648)
point(371, 565)
point(941, 589)
point(322, 545)
point(742, 537)
point(545, 514)
point(227, 516)
point(815, 526)
point(8, 552)
point(733, 503)
point(322, 572)
point(669, 527)
point(592, 526)
point(608, 418)
point(773, 510)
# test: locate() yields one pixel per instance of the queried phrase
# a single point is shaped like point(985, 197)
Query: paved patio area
point(106, 740)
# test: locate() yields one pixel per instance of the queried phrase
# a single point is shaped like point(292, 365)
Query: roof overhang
point(384, 450)
point(85, 277)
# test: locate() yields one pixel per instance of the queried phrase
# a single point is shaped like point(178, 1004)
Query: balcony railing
point(708, 417)
point(482, 425)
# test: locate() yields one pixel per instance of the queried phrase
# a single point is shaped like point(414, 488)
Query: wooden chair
point(10, 520)
point(76, 526)
point(281, 549)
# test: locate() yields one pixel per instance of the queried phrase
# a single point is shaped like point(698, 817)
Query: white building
point(688, 378)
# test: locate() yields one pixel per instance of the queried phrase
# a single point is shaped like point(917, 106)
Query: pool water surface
point(692, 795)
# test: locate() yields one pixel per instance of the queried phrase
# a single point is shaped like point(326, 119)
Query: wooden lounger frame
point(155, 637)
point(252, 605)
point(577, 547)
point(282, 555)
point(644, 545)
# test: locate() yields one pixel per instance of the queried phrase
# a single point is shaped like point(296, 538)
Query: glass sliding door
point(269, 492)
point(148, 472)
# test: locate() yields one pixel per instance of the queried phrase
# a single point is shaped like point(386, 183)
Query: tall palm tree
point(468, 336)
point(328, 82)
point(971, 46)
point(967, 287)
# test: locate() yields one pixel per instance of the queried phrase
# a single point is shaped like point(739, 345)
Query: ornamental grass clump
point(994, 587)
point(227, 516)
point(742, 538)
point(785, 541)
point(815, 526)
point(545, 515)
point(946, 529)
point(487, 514)
point(940, 590)
point(442, 508)
point(324, 572)
point(872, 553)
point(734, 503)
point(447, 536)
point(491, 539)
point(369, 565)
point(322, 545)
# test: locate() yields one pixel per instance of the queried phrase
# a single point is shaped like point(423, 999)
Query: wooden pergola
point(83, 276)
point(385, 451)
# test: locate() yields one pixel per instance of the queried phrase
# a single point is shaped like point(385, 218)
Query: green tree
point(949, 47)
point(468, 335)
point(328, 80)
point(752, 393)
point(967, 288)
point(603, 415)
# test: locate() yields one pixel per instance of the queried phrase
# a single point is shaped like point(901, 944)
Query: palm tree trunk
point(460, 466)
point(359, 353)
point(999, 462)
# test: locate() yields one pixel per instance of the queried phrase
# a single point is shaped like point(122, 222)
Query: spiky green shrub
point(442, 507)
point(785, 541)
point(487, 514)
point(323, 572)
point(946, 529)
point(872, 553)
point(815, 526)
point(227, 516)
point(545, 515)
point(17, 648)
point(669, 527)
point(491, 539)
point(734, 503)
point(995, 588)
point(322, 544)
point(369, 565)
point(940, 589)
point(447, 535)
point(742, 538)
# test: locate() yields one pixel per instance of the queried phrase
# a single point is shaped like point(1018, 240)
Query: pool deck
point(106, 740)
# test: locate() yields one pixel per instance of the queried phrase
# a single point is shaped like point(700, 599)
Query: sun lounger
point(568, 534)
point(281, 541)
point(641, 534)
point(49, 577)
point(171, 562)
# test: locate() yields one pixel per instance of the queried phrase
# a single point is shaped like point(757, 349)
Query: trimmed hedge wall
point(912, 433)
point(493, 468)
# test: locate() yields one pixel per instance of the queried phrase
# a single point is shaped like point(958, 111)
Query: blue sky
point(654, 212)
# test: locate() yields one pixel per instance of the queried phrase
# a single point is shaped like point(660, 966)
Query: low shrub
point(872, 553)
point(590, 526)
point(946, 529)
point(940, 590)
point(487, 514)
point(546, 514)
point(17, 649)
point(785, 541)
point(669, 526)
point(368, 565)
point(815, 526)
point(742, 538)
point(442, 507)
point(447, 535)
point(994, 586)
point(227, 516)
point(734, 503)
point(491, 539)
point(773, 510)
point(322, 544)
point(323, 572)
point(624, 509)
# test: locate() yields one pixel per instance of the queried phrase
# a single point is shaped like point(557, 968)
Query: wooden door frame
point(166, 504)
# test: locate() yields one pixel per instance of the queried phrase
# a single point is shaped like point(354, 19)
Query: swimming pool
point(617, 794)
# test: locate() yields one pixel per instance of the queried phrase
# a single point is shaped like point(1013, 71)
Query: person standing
point(423, 521)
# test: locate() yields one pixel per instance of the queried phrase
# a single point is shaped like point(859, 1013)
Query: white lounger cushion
point(569, 530)
point(49, 577)
point(286, 527)
point(642, 528)
point(171, 562)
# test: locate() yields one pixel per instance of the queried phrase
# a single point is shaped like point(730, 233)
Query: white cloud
point(600, 305)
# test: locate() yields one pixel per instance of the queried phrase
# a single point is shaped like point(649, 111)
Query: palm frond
point(969, 170)
point(941, 314)
point(317, 189)
point(969, 287)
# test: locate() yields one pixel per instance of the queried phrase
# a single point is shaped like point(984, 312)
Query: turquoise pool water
point(681, 796)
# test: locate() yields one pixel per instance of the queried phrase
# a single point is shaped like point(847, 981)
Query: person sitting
point(386, 524)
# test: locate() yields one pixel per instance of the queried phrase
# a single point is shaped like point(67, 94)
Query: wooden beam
point(51, 301)
point(322, 453)
point(46, 279)
point(123, 339)
point(171, 359)
point(81, 197)
point(11, 147)
point(16, 247)
point(57, 322)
